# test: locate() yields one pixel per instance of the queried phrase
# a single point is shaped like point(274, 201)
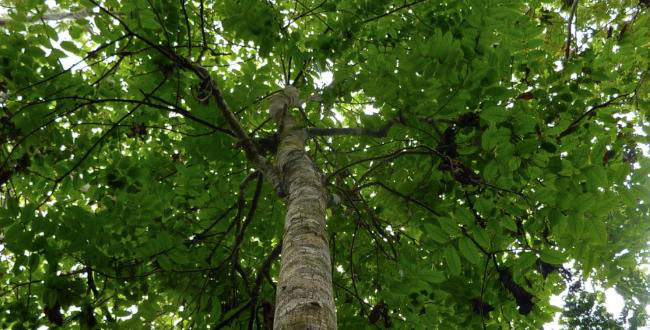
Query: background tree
point(586, 310)
point(475, 147)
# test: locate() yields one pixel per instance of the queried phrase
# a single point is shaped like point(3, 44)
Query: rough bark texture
point(304, 297)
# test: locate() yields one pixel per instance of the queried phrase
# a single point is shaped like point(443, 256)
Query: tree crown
point(485, 154)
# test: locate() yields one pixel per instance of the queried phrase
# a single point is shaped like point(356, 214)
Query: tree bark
point(304, 297)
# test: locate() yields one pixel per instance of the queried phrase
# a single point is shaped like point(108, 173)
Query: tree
point(461, 157)
point(585, 310)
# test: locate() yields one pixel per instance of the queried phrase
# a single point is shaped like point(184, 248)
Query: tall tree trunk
point(304, 297)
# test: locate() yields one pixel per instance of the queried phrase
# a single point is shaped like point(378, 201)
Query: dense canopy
point(493, 157)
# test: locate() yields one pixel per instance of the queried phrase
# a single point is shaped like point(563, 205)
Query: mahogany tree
point(422, 164)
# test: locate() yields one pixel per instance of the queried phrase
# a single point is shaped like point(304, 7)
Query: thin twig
point(100, 140)
point(189, 31)
point(574, 125)
point(406, 5)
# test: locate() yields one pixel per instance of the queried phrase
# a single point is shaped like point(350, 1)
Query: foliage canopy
point(514, 150)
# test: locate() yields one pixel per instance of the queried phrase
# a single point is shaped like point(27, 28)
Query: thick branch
point(51, 16)
point(252, 154)
point(354, 131)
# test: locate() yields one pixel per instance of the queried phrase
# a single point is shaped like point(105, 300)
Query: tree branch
point(100, 140)
point(390, 156)
point(233, 316)
point(264, 270)
point(574, 8)
point(405, 6)
point(240, 235)
point(252, 154)
point(171, 108)
point(574, 125)
point(52, 16)
point(395, 192)
point(250, 149)
point(187, 26)
point(241, 203)
point(354, 131)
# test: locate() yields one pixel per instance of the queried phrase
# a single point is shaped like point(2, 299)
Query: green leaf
point(551, 256)
point(449, 226)
point(70, 46)
point(148, 19)
point(453, 260)
point(495, 115)
point(433, 276)
point(550, 147)
point(34, 261)
point(596, 177)
point(491, 170)
point(469, 250)
point(496, 91)
point(164, 262)
point(525, 261)
point(555, 164)
point(434, 232)
point(576, 227)
point(597, 232)
point(490, 138)
point(509, 224)
point(484, 205)
point(76, 31)
point(12, 207)
point(178, 257)
point(482, 238)
point(130, 169)
point(514, 163)
point(526, 147)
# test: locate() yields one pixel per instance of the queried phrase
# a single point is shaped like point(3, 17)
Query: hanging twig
point(264, 270)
